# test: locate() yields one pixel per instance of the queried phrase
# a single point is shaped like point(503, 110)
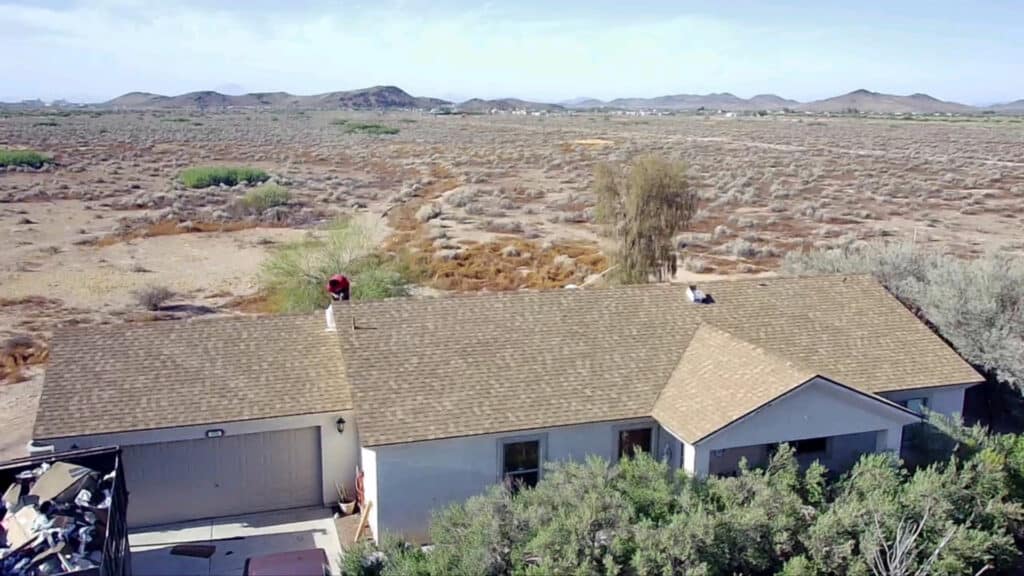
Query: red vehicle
point(311, 562)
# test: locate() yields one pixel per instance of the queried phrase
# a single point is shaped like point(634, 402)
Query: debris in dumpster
point(54, 520)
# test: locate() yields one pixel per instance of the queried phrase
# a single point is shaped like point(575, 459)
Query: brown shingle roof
point(436, 368)
point(180, 373)
point(720, 379)
point(427, 369)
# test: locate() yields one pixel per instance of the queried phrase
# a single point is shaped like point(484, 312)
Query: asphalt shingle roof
point(421, 369)
point(180, 373)
point(721, 379)
point(459, 366)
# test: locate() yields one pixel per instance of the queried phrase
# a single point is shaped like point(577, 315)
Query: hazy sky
point(90, 50)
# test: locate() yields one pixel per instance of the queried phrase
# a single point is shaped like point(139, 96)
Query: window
point(915, 404)
point(520, 462)
point(810, 446)
point(633, 440)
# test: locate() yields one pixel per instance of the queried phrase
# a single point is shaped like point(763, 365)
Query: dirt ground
point(487, 202)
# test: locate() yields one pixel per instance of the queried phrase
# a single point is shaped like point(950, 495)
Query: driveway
point(234, 539)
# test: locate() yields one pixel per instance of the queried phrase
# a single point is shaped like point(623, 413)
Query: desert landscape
point(486, 201)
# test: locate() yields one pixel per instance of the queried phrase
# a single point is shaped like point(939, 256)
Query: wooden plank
point(363, 518)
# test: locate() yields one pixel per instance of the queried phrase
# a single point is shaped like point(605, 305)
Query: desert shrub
point(960, 507)
point(28, 158)
point(266, 196)
point(636, 518)
point(643, 207)
point(294, 275)
point(372, 129)
point(392, 557)
point(204, 176)
point(153, 297)
point(977, 305)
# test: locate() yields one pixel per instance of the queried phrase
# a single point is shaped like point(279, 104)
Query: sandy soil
point(17, 415)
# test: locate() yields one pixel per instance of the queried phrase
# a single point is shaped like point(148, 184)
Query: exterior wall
point(369, 468)
point(416, 478)
point(339, 452)
point(946, 400)
point(817, 409)
point(842, 453)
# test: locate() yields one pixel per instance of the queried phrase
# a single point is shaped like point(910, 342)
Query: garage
point(210, 477)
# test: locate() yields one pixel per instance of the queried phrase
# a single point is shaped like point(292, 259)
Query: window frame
point(542, 453)
point(618, 429)
point(922, 399)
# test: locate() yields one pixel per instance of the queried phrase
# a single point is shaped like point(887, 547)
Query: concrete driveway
point(235, 539)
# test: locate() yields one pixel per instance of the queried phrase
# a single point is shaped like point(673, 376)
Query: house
point(436, 399)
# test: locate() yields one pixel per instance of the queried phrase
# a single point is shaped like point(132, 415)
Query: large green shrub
point(205, 176)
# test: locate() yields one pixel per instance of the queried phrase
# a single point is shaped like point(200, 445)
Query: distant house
point(436, 399)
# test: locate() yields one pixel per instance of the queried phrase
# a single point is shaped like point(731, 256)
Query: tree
point(642, 208)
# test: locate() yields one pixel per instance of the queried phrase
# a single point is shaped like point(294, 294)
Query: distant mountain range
point(392, 97)
point(365, 98)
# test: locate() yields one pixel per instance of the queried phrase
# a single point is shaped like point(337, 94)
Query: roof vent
point(697, 296)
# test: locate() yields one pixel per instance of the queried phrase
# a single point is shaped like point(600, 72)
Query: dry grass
point(506, 263)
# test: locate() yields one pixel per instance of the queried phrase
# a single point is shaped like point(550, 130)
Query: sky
point(553, 50)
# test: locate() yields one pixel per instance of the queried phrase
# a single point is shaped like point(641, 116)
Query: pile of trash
point(54, 520)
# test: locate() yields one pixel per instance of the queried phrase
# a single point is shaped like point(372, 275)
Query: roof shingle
point(180, 373)
point(721, 379)
point(466, 365)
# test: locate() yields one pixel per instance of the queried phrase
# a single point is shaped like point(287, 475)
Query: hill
point(875, 102)
point(719, 101)
point(376, 97)
point(1015, 107)
point(478, 105)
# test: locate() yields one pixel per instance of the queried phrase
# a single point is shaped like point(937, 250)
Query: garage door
point(192, 479)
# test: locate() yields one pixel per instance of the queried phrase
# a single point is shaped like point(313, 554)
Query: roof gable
point(719, 379)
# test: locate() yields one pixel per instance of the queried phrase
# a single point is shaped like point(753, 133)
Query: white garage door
point(210, 477)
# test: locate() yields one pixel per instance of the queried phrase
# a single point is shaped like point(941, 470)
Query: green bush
point(373, 129)
point(204, 176)
point(28, 158)
point(294, 275)
point(266, 196)
point(636, 519)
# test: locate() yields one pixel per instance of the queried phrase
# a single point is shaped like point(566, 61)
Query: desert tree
point(642, 207)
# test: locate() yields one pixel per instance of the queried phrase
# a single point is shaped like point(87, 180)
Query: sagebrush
point(205, 176)
point(637, 518)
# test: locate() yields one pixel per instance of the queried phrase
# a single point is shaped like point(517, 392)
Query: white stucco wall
point(814, 410)
point(369, 467)
point(339, 452)
point(946, 400)
point(415, 478)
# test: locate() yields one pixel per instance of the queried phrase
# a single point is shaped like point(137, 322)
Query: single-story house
point(436, 399)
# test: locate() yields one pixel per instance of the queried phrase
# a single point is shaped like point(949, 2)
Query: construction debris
point(54, 520)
